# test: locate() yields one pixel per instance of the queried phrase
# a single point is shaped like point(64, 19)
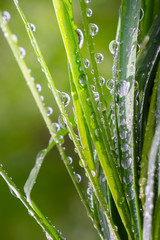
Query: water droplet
point(93, 29)
point(62, 121)
point(70, 160)
point(49, 111)
point(31, 213)
point(6, 16)
point(80, 38)
point(42, 98)
point(93, 173)
point(130, 193)
point(136, 85)
point(89, 12)
point(98, 57)
point(101, 81)
point(79, 178)
point(86, 62)
point(96, 96)
point(56, 127)
point(110, 84)
point(123, 88)
point(113, 46)
point(22, 52)
point(48, 236)
point(127, 178)
point(32, 27)
point(65, 98)
point(141, 14)
point(14, 192)
point(124, 147)
point(14, 38)
point(87, 1)
point(126, 162)
point(83, 80)
point(39, 87)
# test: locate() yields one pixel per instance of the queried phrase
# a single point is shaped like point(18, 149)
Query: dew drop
point(31, 213)
point(6, 16)
point(92, 88)
point(32, 27)
point(93, 29)
point(126, 162)
point(79, 178)
point(80, 38)
point(88, 1)
point(83, 80)
point(110, 84)
point(101, 81)
point(70, 160)
point(14, 38)
point(22, 52)
point(136, 85)
point(141, 14)
point(49, 111)
point(93, 173)
point(39, 87)
point(113, 46)
point(123, 88)
point(127, 179)
point(124, 147)
point(130, 193)
point(42, 98)
point(86, 62)
point(89, 12)
point(92, 71)
point(56, 127)
point(98, 57)
point(14, 192)
point(62, 121)
point(48, 236)
point(65, 98)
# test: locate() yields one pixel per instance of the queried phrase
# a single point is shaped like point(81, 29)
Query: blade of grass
point(83, 92)
point(130, 12)
point(156, 221)
point(44, 223)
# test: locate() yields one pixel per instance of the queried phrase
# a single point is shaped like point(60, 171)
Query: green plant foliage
point(114, 125)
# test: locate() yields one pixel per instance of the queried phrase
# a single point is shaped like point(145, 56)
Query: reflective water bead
point(31, 213)
point(93, 173)
point(113, 46)
point(39, 87)
point(22, 52)
point(141, 14)
point(42, 98)
point(124, 147)
point(14, 38)
point(33, 27)
point(98, 57)
point(70, 160)
point(127, 179)
point(56, 127)
point(110, 84)
point(49, 111)
point(92, 71)
point(86, 62)
point(123, 88)
point(65, 98)
point(62, 121)
point(87, 1)
point(93, 29)
point(6, 16)
point(96, 96)
point(79, 178)
point(136, 85)
point(83, 80)
point(89, 12)
point(130, 193)
point(101, 81)
point(80, 38)
point(92, 88)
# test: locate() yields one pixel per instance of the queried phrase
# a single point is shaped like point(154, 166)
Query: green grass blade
point(156, 221)
point(130, 12)
point(47, 227)
point(148, 137)
point(149, 191)
point(83, 92)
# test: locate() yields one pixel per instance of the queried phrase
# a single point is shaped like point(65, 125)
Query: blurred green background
point(22, 130)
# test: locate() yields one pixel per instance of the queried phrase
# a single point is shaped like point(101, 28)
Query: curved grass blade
point(149, 191)
point(44, 223)
point(148, 137)
point(30, 83)
point(83, 92)
point(130, 11)
point(156, 221)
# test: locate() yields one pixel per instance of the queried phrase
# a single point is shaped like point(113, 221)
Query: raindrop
point(93, 29)
point(22, 52)
point(127, 179)
point(42, 98)
point(101, 81)
point(48, 236)
point(89, 12)
point(136, 85)
point(141, 14)
point(96, 96)
point(83, 80)
point(92, 88)
point(56, 127)
point(123, 88)
point(130, 193)
point(62, 121)
point(98, 57)
point(14, 38)
point(14, 192)
point(124, 147)
point(31, 213)
point(113, 46)
point(65, 98)
point(92, 71)
point(70, 160)
point(6, 16)
point(86, 62)
point(80, 38)
point(87, 1)
point(49, 111)
point(32, 27)
point(39, 87)
point(110, 84)
point(93, 173)
point(79, 178)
